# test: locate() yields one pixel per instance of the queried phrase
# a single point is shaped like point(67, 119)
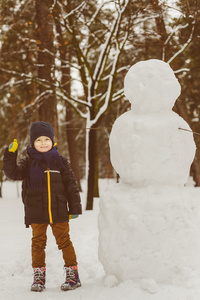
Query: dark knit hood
point(41, 128)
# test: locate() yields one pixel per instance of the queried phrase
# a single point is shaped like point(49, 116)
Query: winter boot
point(72, 279)
point(39, 279)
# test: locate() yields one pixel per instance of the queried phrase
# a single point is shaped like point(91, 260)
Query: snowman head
point(151, 86)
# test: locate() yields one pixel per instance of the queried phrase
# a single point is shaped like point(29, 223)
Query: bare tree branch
point(184, 46)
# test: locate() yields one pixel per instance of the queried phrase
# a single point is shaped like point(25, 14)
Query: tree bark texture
point(195, 167)
point(66, 55)
point(91, 169)
point(71, 135)
point(160, 26)
point(47, 110)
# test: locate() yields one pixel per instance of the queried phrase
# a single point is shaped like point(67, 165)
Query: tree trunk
point(91, 169)
point(92, 175)
point(47, 110)
point(65, 50)
point(160, 25)
point(195, 167)
point(96, 175)
point(71, 134)
point(1, 178)
point(72, 144)
point(1, 183)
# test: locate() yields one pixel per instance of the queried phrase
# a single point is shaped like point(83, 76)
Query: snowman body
point(151, 147)
point(148, 225)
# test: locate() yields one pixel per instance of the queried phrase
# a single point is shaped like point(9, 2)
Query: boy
point(50, 195)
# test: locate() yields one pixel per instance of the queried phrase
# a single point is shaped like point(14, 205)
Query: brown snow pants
point(39, 241)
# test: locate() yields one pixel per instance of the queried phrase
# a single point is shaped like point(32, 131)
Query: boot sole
point(37, 289)
point(70, 288)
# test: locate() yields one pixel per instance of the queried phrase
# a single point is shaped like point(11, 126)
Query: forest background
point(64, 62)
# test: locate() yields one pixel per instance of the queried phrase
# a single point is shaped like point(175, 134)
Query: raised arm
point(12, 169)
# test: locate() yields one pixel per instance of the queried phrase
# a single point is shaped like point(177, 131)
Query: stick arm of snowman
point(189, 131)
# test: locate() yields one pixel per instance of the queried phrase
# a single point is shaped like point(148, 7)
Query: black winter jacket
point(58, 198)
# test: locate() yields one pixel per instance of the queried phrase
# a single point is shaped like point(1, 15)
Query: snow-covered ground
point(15, 259)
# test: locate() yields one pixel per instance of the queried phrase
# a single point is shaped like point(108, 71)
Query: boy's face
point(43, 144)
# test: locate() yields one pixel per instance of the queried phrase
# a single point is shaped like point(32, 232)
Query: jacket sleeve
point(12, 169)
point(71, 186)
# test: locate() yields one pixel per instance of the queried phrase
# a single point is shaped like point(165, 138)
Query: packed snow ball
point(151, 85)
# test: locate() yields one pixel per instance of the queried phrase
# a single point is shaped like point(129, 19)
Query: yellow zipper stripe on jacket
point(49, 196)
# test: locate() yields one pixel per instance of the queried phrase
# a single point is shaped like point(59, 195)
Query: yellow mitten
point(13, 146)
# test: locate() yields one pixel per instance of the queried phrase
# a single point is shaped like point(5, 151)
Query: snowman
point(148, 225)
